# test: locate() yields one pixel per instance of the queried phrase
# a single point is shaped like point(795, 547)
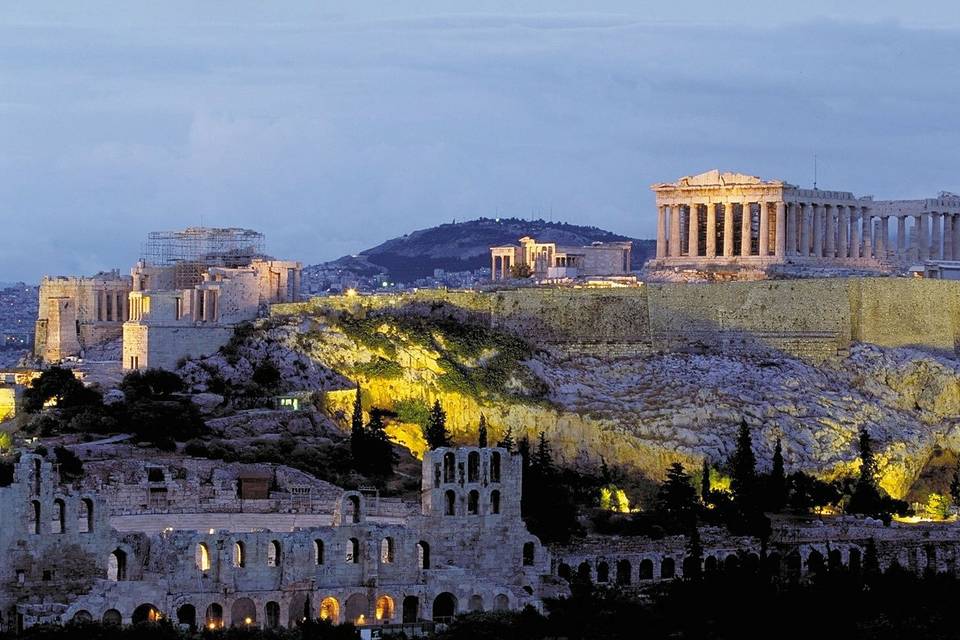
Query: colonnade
point(111, 305)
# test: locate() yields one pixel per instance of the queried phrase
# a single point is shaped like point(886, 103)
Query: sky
point(333, 126)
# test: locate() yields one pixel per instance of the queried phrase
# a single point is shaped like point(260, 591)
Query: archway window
point(36, 476)
point(112, 618)
point(59, 522)
point(357, 608)
point(86, 516)
point(117, 566)
point(646, 569)
point(501, 602)
point(473, 467)
point(411, 609)
point(353, 551)
point(386, 550)
point(272, 613)
point(473, 503)
point(494, 501)
point(423, 555)
point(624, 572)
point(495, 466)
point(243, 613)
point(528, 553)
point(318, 551)
point(583, 571)
point(450, 499)
point(273, 554)
point(239, 554)
point(34, 526)
point(187, 616)
point(330, 610)
point(444, 607)
point(667, 568)
point(354, 508)
point(145, 613)
point(213, 619)
point(384, 609)
point(475, 605)
point(83, 616)
point(603, 572)
point(202, 557)
point(449, 467)
point(815, 562)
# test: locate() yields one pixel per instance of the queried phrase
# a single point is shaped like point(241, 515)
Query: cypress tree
point(380, 456)
point(693, 564)
point(676, 498)
point(868, 466)
point(778, 480)
point(543, 458)
point(705, 481)
point(744, 469)
point(356, 431)
point(482, 432)
point(435, 431)
point(507, 441)
point(871, 563)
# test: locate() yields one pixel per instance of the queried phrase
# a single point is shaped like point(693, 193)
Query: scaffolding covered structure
point(195, 249)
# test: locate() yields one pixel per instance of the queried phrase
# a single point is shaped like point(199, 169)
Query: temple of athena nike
point(731, 220)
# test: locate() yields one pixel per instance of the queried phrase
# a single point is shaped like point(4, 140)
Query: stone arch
point(423, 555)
point(187, 616)
point(239, 554)
point(357, 608)
point(854, 560)
point(387, 550)
point(624, 571)
point(473, 466)
point(274, 554)
point(646, 569)
point(603, 571)
point(384, 609)
point(330, 609)
point(271, 614)
point(583, 571)
point(449, 467)
point(202, 557)
point(668, 569)
point(529, 553)
point(495, 466)
point(563, 570)
point(444, 607)
point(34, 526)
point(411, 609)
point(495, 502)
point(710, 564)
point(85, 521)
point(501, 602)
point(473, 502)
point(354, 513)
point(691, 566)
point(82, 616)
point(300, 609)
point(475, 604)
point(117, 565)
point(450, 503)
point(834, 559)
point(243, 613)
point(146, 612)
point(815, 562)
point(352, 555)
point(318, 551)
point(213, 618)
point(59, 522)
point(37, 476)
point(111, 617)
point(731, 563)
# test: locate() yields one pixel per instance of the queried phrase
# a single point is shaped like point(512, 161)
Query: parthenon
point(719, 219)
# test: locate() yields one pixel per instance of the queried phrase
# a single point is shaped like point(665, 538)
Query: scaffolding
point(195, 249)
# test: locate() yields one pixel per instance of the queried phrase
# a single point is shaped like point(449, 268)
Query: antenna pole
point(814, 171)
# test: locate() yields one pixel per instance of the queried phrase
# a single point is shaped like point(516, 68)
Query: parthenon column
point(901, 236)
point(923, 237)
point(763, 236)
point(831, 230)
point(866, 227)
point(711, 230)
point(854, 232)
point(880, 244)
point(728, 229)
point(956, 237)
point(843, 228)
point(803, 213)
point(661, 234)
point(781, 239)
point(693, 233)
point(675, 231)
point(817, 230)
point(948, 236)
point(791, 228)
point(745, 230)
point(936, 242)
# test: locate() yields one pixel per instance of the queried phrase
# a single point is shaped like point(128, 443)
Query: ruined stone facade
point(122, 546)
point(548, 261)
point(77, 313)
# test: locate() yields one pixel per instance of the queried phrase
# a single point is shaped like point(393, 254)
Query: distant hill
point(465, 246)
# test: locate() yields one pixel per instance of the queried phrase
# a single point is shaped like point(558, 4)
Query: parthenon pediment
point(715, 177)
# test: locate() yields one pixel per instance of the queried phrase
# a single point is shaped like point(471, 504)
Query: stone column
point(693, 241)
point(780, 242)
point(763, 237)
point(830, 242)
point(936, 242)
point(803, 212)
point(901, 236)
point(817, 210)
point(855, 232)
point(728, 229)
point(791, 228)
point(661, 232)
point(675, 231)
point(843, 230)
point(745, 230)
point(866, 229)
point(948, 236)
point(923, 237)
point(711, 247)
point(880, 247)
point(956, 237)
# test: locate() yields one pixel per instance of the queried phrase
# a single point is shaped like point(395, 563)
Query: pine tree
point(543, 458)
point(868, 466)
point(705, 481)
point(778, 481)
point(676, 498)
point(482, 432)
point(744, 469)
point(866, 498)
point(435, 431)
point(506, 441)
point(955, 484)
point(379, 454)
point(357, 449)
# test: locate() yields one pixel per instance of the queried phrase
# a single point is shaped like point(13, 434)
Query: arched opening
point(815, 562)
point(145, 613)
point(357, 608)
point(213, 619)
point(710, 564)
point(449, 466)
point(239, 554)
point(353, 551)
point(59, 522)
point(855, 561)
point(187, 616)
point(318, 551)
point(411, 609)
point(528, 553)
point(386, 550)
point(834, 560)
point(691, 566)
point(668, 569)
point(36, 476)
point(751, 562)
point(444, 607)
point(450, 502)
point(202, 557)
point(603, 572)
point(383, 612)
point(330, 610)
point(563, 570)
point(300, 610)
point(475, 605)
point(34, 526)
point(494, 501)
point(473, 502)
point(112, 617)
point(473, 467)
point(423, 555)
point(273, 554)
point(82, 616)
point(272, 614)
point(85, 522)
point(623, 572)
point(117, 565)
point(773, 564)
point(243, 613)
point(731, 563)
point(501, 602)
point(495, 466)
point(794, 564)
point(646, 569)
point(354, 508)
point(583, 571)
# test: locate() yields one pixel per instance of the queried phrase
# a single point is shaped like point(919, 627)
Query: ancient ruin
point(548, 261)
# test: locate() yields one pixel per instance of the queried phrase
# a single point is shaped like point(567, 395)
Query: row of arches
point(448, 472)
point(59, 519)
point(274, 555)
point(473, 507)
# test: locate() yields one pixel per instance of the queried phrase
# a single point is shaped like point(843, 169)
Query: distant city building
point(548, 261)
